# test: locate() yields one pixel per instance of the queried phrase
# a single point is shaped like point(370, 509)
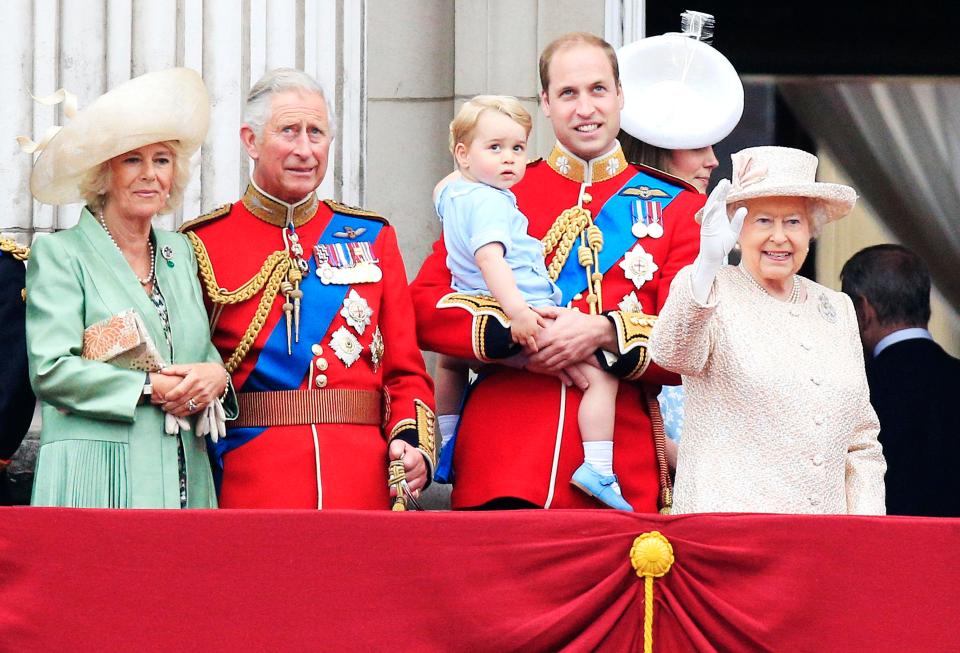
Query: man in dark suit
point(16, 398)
point(914, 384)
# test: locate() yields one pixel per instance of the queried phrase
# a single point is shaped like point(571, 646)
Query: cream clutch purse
point(122, 340)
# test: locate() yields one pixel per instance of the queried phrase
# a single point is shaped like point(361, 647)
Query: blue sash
point(615, 223)
point(277, 370)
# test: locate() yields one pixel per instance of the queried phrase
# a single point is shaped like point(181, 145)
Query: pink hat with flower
point(771, 171)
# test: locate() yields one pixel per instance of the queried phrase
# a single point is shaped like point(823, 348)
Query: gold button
point(317, 349)
point(321, 380)
point(322, 364)
point(587, 198)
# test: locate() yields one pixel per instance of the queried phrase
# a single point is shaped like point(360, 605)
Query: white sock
point(599, 455)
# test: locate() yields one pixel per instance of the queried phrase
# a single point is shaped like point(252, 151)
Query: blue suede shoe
point(599, 487)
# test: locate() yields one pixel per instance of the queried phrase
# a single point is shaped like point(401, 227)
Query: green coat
point(98, 447)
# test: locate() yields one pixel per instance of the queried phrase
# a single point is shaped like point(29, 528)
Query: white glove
point(212, 421)
point(448, 426)
point(718, 235)
point(172, 424)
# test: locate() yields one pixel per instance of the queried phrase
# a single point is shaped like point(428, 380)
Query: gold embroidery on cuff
point(633, 331)
point(475, 305)
point(482, 308)
point(425, 424)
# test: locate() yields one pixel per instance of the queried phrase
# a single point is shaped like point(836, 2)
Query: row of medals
point(346, 263)
point(644, 226)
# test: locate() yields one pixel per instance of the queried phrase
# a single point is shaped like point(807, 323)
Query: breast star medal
point(356, 311)
point(346, 346)
point(638, 266)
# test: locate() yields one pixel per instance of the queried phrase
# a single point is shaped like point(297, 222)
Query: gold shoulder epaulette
point(218, 212)
point(18, 251)
point(337, 207)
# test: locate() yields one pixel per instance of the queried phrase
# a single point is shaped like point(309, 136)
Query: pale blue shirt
point(900, 336)
point(475, 215)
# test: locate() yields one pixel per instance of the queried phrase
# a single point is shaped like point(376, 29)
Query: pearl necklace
point(145, 281)
point(794, 297)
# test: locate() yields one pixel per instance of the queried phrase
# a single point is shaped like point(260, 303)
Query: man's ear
point(545, 103)
point(866, 313)
point(249, 140)
point(869, 312)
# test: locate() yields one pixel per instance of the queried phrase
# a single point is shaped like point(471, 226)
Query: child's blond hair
point(465, 122)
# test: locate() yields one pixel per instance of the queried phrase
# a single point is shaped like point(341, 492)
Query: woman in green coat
point(114, 437)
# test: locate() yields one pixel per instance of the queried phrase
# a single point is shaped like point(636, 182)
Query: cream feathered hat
point(168, 105)
point(771, 171)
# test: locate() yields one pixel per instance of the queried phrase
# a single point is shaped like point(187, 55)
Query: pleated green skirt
point(82, 474)
point(103, 474)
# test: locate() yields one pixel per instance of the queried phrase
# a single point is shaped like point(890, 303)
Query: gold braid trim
point(272, 273)
point(263, 309)
point(15, 249)
point(479, 343)
point(475, 305)
point(346, 209)
point(219, 212)
point(560, 237)
point(425, 424)
point(633, 331)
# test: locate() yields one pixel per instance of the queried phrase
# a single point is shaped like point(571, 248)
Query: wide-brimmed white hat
point(678, 93)
point(771, 171)
point(168, 105)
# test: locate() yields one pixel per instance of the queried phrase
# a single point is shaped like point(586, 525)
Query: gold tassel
point(651, 556)
point(397, 476)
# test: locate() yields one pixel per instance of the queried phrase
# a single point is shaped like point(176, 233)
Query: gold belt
point(327, 406)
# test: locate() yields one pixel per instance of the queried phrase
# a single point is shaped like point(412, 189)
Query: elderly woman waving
point(778, 411)
point(117, 335)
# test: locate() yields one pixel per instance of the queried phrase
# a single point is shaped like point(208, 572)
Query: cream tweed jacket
point(778, 414)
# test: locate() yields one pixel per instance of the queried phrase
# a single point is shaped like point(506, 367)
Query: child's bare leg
point(449, 381)
point(595, 419)
point(598, 405)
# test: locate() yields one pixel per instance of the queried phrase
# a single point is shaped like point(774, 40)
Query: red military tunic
point(518, 434)
point(362, 363)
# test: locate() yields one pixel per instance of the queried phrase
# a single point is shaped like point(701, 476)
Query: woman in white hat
point(778, 417)
point(112, 436)
point(681, 97)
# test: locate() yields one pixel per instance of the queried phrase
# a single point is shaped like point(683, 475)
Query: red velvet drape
point(513, 581)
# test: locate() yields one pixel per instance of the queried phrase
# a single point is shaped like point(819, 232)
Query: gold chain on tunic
point(272, 273)
point(576, 222)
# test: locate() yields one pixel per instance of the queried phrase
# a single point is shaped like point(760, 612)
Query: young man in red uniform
point(615, 236)
point(312, 315)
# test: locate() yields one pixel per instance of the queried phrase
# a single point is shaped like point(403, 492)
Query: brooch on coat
point(827, 311)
